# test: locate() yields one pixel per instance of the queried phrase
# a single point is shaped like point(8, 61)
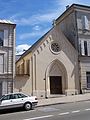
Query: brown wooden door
point(55, 85)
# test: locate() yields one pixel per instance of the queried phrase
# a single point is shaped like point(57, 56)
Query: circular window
point(55, 47)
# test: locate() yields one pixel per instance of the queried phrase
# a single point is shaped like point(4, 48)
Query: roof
point(69, 8)
point(6, 22)
point(33, 46)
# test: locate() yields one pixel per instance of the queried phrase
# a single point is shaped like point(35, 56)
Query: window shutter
point(1, 63)
point(82, 48)
point(5, 37)
point(85, 23)
point(88, 48)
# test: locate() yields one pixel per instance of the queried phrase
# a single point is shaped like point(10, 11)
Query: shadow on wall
point(76, 77)
point(20, 82)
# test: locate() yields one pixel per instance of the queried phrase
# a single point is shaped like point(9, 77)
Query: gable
point(54, 36)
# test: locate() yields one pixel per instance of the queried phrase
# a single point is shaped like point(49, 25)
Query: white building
point(7, 56)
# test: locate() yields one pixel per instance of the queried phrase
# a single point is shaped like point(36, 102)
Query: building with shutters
point(59, 62)
point(7, 56)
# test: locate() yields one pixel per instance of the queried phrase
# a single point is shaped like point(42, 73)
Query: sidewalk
point(64, 99)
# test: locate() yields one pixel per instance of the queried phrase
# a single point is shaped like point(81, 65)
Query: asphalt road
point(70, 111)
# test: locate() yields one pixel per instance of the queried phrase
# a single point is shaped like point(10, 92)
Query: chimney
point(67, 7)
point(54, 22)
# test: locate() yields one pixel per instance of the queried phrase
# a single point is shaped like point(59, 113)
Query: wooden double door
point(55, 85)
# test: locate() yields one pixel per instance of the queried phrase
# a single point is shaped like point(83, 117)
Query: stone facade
point(76, 27)
point(7, 56)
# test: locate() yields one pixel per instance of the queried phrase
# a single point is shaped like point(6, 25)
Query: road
point(70, 111)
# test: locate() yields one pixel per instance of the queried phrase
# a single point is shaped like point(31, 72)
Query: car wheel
point(28, 106)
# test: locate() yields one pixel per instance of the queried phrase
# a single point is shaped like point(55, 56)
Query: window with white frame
point(84, 48)
point(1, 63)
point(88, 79)
point(4, 37)
point(1, 37)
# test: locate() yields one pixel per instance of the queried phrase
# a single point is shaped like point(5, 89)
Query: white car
point(14, 100)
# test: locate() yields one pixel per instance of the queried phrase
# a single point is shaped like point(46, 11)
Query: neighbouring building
point(59, 62)
point(7, 56)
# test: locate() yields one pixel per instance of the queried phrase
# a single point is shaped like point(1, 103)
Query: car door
point(17, 100)
point(6, 102)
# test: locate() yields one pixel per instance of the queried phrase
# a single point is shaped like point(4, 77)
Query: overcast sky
point(33, 17)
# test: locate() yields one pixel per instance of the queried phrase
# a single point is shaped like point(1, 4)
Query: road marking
point(64, 113)
point(35, 118)
point(87, 109)
point(48, 109)
point(76, 111)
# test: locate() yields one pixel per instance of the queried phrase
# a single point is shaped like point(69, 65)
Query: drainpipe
point(45, 85)
point(78, 49)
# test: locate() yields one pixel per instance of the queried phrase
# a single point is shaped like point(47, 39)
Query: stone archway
point(56, 78)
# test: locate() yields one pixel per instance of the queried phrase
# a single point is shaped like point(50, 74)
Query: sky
point(33, 18)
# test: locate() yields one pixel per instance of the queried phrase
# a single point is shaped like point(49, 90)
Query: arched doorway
point(57, 78)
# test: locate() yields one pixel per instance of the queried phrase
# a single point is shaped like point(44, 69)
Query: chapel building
point(59, 62)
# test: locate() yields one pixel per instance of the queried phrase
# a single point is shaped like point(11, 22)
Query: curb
point(52, 104)
point(43, 105)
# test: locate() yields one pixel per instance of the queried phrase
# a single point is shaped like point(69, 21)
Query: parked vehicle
point(15, 100)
